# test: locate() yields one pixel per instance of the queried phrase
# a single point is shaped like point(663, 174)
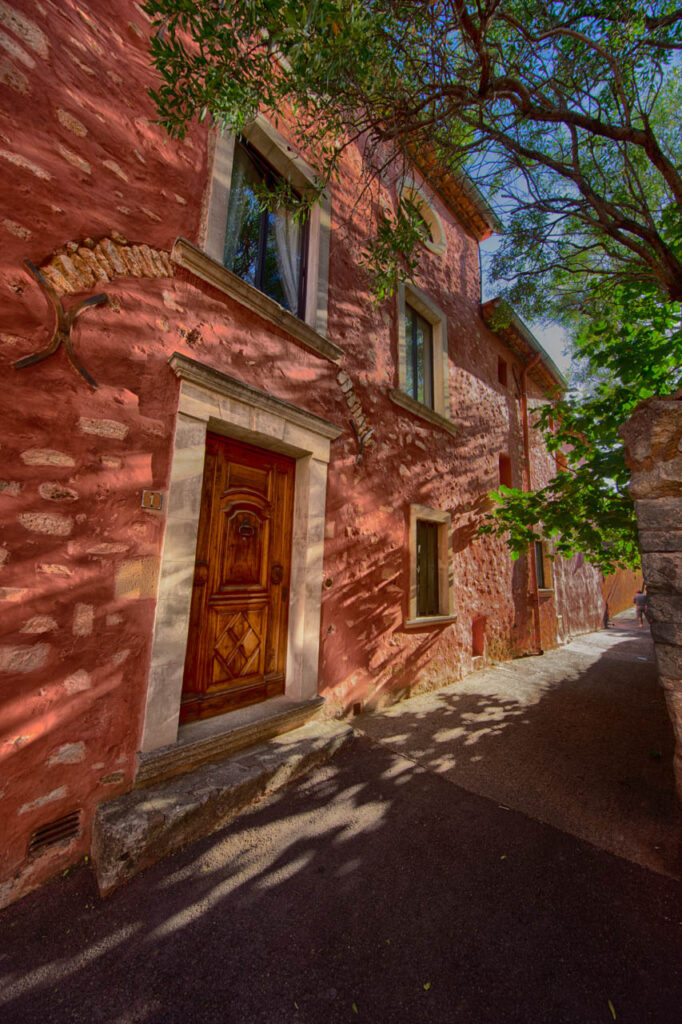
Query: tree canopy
point(565, 114)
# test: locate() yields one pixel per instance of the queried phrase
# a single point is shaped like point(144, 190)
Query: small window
point(433, 237)
point(431, 594)
point(543, 566)
point(505, 471)
point(418, 357)
point(264, 247)
point(427, 568)
point(502, 371)
point(561, 462)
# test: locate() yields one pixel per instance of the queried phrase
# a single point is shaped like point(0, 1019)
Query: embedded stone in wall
point(39, 624)
point(83, 619)
point(46, 457)
point(68, 753)
point(40, 801)
point(77, 682)
point(23, 659)
point(78, 266)
point(46, 522)
point(103, 428)
point(57, 492)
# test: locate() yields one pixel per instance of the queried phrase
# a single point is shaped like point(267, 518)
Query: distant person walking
point(641, 601)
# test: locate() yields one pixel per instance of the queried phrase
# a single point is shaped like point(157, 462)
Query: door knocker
point(246, 529)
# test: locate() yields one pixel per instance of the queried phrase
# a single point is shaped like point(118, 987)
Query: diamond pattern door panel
point(236, 650)
point(239, 648)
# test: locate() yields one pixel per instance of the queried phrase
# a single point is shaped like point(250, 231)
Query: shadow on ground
point(579, 738)
point(374, 890)
point(378, 890)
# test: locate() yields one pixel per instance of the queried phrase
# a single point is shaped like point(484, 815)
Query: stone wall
point(653, 438)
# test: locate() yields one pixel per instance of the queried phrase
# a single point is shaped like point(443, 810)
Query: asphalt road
point(373, 890)
point(397, 885)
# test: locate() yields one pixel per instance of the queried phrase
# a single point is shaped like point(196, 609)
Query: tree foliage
point(565, 114)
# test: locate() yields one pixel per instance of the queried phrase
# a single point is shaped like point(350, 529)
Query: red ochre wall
point(619, 590)
point(81, 158)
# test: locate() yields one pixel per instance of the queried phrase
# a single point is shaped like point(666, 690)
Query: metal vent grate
point(59, 831)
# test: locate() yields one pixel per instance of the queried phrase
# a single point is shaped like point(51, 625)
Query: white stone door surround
point(210, 400)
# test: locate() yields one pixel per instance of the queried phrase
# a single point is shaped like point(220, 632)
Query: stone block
point(661, 514)
point(143, 826)
point(669, 660)
point(661, 540)
point(57, 492)
point(665, 607)
point(47, 522)
point(103, 428)
point(83, 619)
point(68, 753)
point(667, 632)
point(39, 624)
point(23, 658)
point(663, 569)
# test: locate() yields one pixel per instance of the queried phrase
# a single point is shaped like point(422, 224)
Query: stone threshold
point(216, 738)
point(136, 830)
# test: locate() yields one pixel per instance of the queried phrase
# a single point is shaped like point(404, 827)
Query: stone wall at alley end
point(653, 438)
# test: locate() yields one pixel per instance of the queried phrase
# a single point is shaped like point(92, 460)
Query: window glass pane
point(242, 238)
point(540, 565)
point(409, 351)
point(427, 568)
point(282, 268)
point(263, 247)
point(419, 357)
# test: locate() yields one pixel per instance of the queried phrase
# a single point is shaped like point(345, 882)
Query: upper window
point(271, 250)
point(264, 247)
point(422, 358)
point(418, 357)
point(433, 233)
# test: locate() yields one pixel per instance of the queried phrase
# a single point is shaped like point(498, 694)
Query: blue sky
point(552, 337)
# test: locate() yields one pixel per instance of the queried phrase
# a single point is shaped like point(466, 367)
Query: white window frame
point(274, 148)
point(445, 577)
point(410, 295)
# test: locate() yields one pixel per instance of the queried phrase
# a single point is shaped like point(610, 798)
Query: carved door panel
point(236, 651)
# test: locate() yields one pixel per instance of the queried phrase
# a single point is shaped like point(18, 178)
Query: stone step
point(220, 737)
point(139, 828)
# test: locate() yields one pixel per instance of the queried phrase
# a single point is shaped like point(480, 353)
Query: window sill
point(545, 591)
point(188, 256)
point(429, 620)
point(418, 409)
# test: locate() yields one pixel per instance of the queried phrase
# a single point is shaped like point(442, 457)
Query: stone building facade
point(653, 439)
point(158, 361)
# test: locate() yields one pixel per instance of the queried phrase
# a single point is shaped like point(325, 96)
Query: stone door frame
point(210, 400)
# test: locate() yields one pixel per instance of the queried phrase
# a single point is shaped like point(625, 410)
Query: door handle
point(276, 572)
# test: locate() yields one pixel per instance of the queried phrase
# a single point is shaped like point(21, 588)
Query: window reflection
point(419, 357)
point(264, 247)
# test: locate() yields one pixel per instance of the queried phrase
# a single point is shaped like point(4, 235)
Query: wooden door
point(236, 651)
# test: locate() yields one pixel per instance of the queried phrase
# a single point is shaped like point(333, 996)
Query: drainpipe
point(532, 571)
